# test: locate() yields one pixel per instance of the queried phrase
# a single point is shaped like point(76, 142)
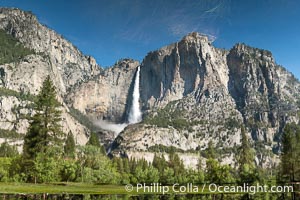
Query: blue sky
point(114, 29)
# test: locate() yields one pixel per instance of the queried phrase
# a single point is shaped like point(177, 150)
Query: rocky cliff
point(21, 79)
point(57, 55)
point(193, 93)
point(108, 95)
point(190, 93)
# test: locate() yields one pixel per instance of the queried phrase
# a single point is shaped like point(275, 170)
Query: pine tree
point(94, 140)
point(212, 165)
point(246, 156)
point(69, 148)
point(7, 150)
point(210, 151)
point(177, 165)
point(246, 165)
point(159, 162)
point(126, 165)
point(199, 164)
point(132, 165)
point(290, 159)
point(44, 129)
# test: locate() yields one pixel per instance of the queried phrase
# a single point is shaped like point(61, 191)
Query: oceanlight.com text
point(206, 188)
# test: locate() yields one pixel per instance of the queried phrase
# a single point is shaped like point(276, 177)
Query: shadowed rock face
point(189, 67)
point(107, 96)
point(264, 92)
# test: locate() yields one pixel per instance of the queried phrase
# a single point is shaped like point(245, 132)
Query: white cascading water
point(135, 114)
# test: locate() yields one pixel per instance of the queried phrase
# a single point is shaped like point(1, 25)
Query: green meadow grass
point(72, 188)
point(59, 188)
point(81, 188)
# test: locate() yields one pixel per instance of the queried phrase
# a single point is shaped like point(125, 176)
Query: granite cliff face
point(60, 58)
point(265, 94)
point(106, 96)
point(51, 55)
point(87, 91)
point(190, 93)
point(187, 67)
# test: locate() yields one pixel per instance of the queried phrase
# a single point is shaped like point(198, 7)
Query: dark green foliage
point(232, 123)
point(44, 167)
point(11, 50)
point(21, 169)
point(217, 173)
point(10, 134)
point(290, 159)
point(173, 167)
point(69, 148)
point(246, 154)
point(94, 140)
point(118, 163)
point(34, 140)
point(176, 163)
point(143, 172)
point(19, 95)
point(44, 130)
point(159, 162)
point(169, 116)
point(247, 170)
point(163, 148)
point(210, 151)
point(162, 121)
point(7, 150)
point(95, 167)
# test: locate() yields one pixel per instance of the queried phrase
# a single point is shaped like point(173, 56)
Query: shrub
point(10, 134)
point(20, 95)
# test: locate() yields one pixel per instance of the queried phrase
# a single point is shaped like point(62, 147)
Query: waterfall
point(135, 114)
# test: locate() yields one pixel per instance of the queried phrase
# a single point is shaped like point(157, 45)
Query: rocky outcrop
point(68, 65)
point(265, 93)
point(52, 55)
point(187, 67)
point(27, 75)
point(108, 95)
point(191, 78)
point(193, 92)
point(15, 111)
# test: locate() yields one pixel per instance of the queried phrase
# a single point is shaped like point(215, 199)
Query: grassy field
point(71, 188)
point(82, 188)
point(76, 188)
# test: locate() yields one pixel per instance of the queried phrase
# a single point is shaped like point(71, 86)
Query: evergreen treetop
point(44, 129)
point(69, 148)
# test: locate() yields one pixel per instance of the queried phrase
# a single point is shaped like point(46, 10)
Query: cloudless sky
point(114, 29)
